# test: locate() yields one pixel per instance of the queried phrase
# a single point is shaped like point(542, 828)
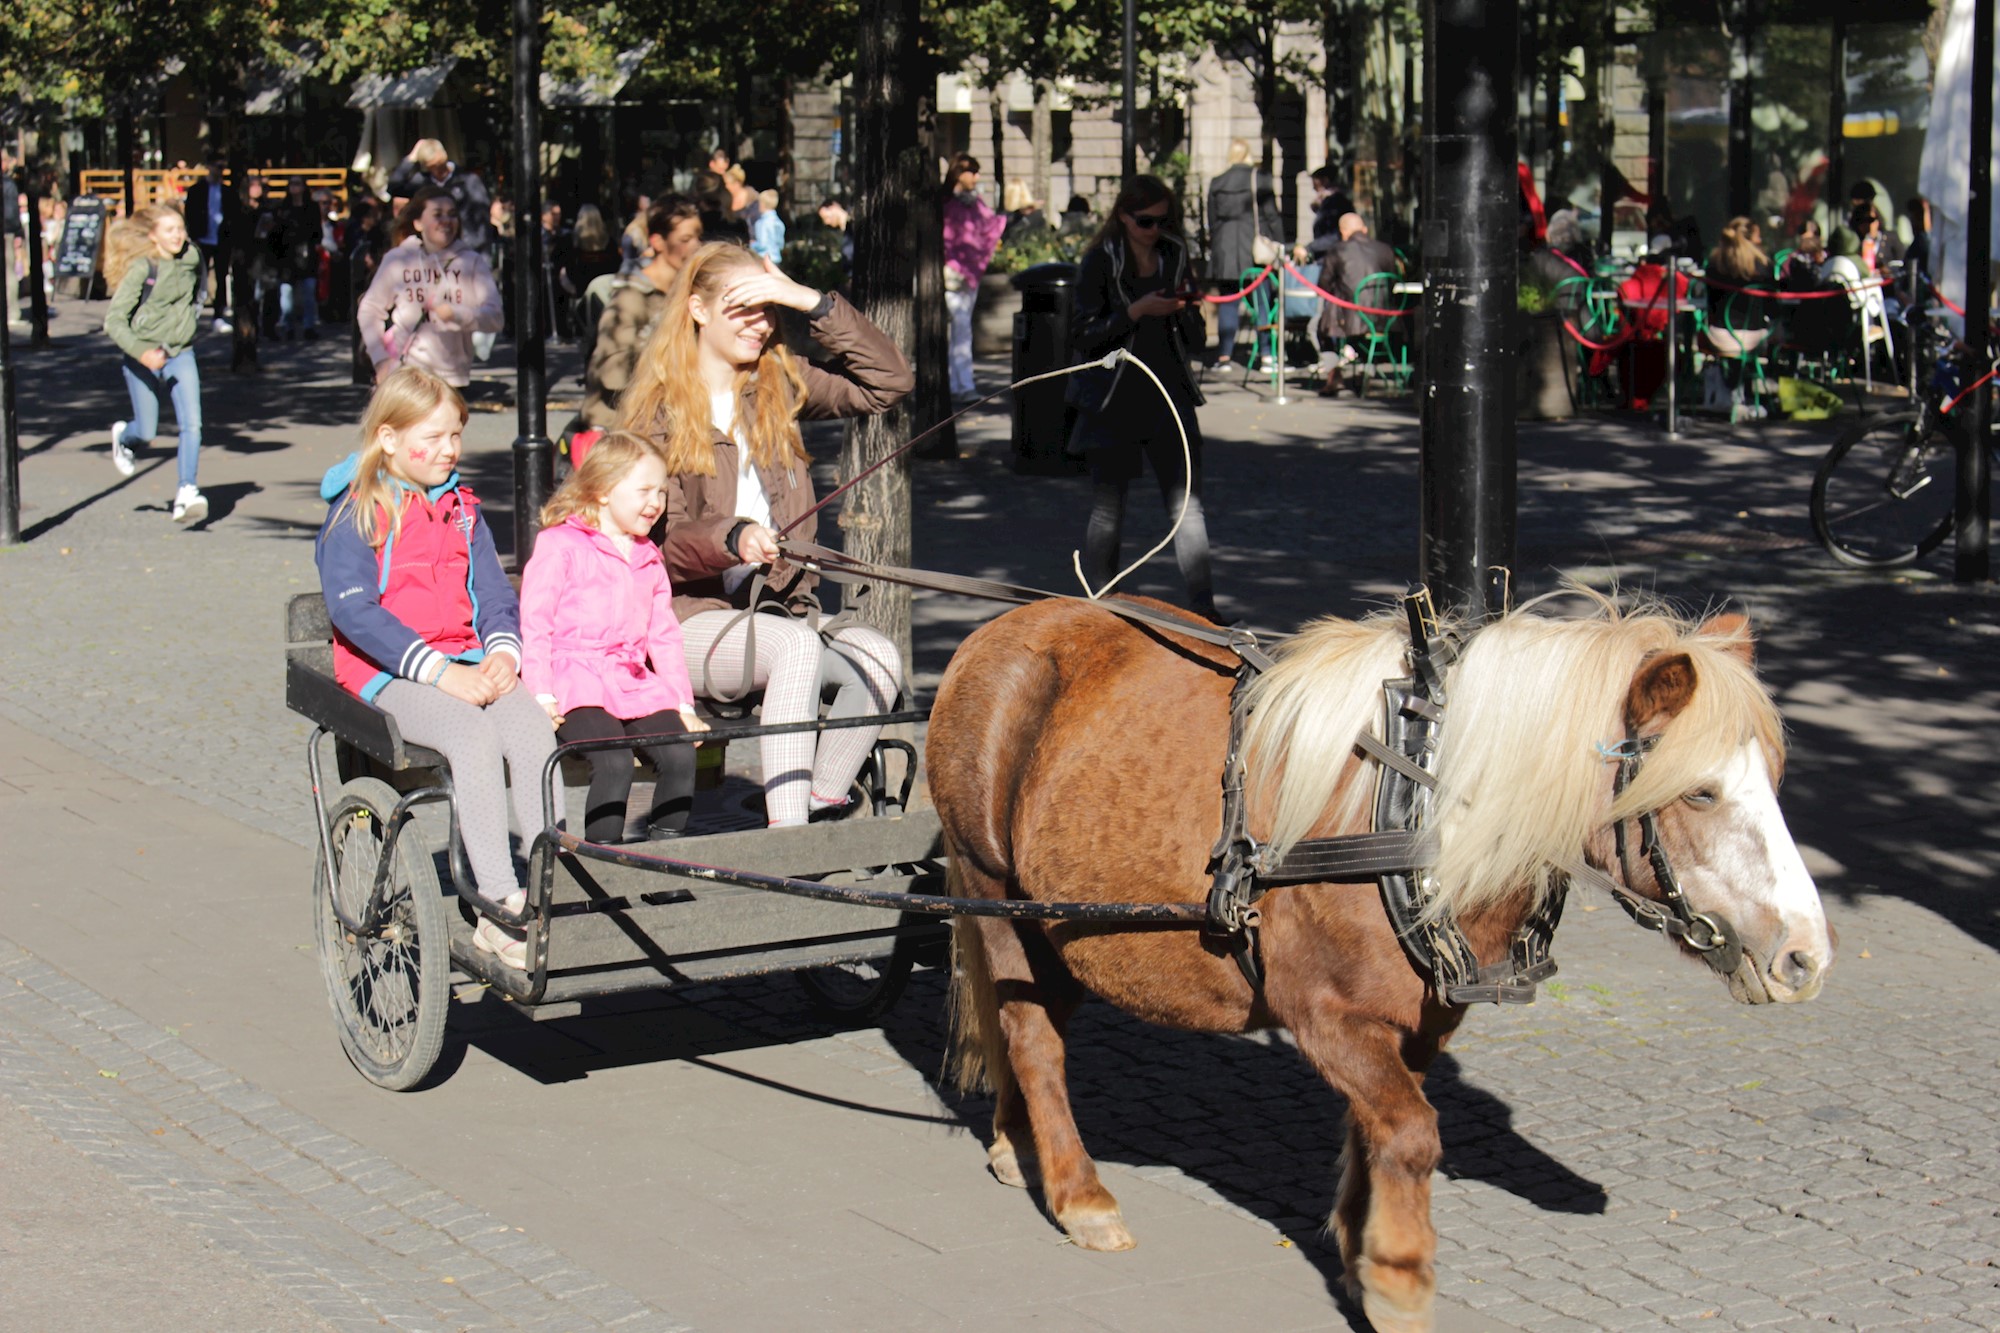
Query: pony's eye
point(1701, 796)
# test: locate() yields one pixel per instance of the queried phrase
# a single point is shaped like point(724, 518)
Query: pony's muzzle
point(1798, 968)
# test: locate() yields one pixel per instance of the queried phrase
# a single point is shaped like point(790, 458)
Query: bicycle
point(1883, 495)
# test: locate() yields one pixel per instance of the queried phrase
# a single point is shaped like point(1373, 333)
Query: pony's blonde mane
point(1536, 715)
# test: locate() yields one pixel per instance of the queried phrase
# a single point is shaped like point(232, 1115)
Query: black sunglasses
point(1148, 220)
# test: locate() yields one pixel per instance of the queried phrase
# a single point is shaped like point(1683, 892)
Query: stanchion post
point(534, 455)
point(1973, 512)
point(10, 444)
point(1466, 467)
point(1278, 336)
point(1673, 346)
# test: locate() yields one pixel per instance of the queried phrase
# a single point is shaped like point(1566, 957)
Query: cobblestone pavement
point(1633, 1151)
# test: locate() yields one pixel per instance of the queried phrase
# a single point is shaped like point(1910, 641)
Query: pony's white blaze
point(1762, 863)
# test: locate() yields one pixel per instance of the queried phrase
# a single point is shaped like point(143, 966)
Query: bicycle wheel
point(389, 991)
point(1883, 494)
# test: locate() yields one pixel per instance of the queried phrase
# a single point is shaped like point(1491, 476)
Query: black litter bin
point(1041, 343)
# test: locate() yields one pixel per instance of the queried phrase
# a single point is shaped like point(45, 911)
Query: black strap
point(842, 568)
point(1352, 859)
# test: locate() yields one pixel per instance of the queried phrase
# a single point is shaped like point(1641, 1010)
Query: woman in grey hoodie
point(155, 276)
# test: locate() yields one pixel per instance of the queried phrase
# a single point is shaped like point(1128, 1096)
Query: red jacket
point(434, 589)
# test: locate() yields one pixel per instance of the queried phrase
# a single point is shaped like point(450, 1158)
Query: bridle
point(1709, 934)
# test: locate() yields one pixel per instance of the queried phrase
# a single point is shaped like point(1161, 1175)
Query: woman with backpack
point(155, 276)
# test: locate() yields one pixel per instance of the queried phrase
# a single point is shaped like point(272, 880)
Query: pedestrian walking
point(673, 232)
point(427, 628)
point(1244, 232)
point(430, 165)
point(431, 293)
point(1132, 292)
point(296, 247)
point(720, 395)
point(212, 208)
point(971, 234)
point(767, 232)
point(602, 646)
point(155, 276)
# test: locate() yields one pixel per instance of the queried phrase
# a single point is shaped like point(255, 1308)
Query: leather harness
point(1402, 848)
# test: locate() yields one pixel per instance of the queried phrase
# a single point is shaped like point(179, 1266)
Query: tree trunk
point(996, 112)
point(1041, 128)
point(890, 177)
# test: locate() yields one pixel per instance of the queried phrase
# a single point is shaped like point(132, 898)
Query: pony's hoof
point(1098, 1231)
point(1008, 1166)
point(1412, 1309)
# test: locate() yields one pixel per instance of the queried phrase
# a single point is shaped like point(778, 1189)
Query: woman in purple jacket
point(971, 235)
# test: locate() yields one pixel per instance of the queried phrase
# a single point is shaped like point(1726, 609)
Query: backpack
point(153, 277)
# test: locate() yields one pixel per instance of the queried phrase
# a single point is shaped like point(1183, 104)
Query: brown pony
point(1077, 756)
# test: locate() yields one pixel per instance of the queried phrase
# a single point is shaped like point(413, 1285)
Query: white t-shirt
point(751, 502)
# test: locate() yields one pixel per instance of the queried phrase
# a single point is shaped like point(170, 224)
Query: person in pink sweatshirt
point(601, 646)
point(429, 296)
point(971, 235)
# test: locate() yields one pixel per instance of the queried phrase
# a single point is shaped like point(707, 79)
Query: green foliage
point(1532, 299)
point(1041, 246)
point(812, 256)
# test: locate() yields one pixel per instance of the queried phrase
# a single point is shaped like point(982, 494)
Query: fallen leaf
point(107, 1073)
point(1284, 1244)
point(1866, 954)
point(159, 1131)
point(64, 551)
point(448, 1281)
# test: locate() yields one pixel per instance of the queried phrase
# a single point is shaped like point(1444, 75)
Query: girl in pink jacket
point(601, 647)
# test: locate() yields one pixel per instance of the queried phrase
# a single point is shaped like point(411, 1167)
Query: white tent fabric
point(1948, 153)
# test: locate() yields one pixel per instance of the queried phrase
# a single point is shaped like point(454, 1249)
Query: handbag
point(1264, 251)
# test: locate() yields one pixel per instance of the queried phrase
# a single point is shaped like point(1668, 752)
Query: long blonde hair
point(1737, 256)
point(602, 468)
point(399, 403)
point(667, 401)
point(131, 239)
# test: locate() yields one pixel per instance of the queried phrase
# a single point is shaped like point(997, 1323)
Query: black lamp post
point(534, 461)
point(1471, 214)
point(1128, 147)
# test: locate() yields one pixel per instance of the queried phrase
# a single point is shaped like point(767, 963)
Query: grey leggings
point(474, 741)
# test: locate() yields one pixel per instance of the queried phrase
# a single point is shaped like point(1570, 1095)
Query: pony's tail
point(974, 1056)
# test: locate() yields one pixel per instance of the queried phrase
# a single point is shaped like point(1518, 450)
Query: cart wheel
point(847, 993)
point(389, 993)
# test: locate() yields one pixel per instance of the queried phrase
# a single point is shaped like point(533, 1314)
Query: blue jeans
point(180, 379)
point(1228, 316)
point(303, 296)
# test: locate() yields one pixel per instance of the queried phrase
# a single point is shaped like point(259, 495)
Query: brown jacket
point(621, 335)
point(868, 376)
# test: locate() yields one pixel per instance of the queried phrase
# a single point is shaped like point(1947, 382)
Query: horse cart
point(823, 901)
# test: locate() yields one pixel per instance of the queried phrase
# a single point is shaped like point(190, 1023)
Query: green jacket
point(169, 315)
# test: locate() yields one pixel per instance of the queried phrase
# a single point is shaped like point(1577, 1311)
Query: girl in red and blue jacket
point(427, 628)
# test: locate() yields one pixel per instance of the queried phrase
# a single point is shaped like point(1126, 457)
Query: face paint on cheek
point(419, 455)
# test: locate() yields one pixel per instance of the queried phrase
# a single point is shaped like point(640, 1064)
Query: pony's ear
point(1736, 629)
point(1660, 691)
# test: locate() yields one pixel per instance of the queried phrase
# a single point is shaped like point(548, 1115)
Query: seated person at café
point(1345, 260)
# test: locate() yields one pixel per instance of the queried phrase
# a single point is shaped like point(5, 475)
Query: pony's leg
point(1382, 1213)
point(980, 1056)
point(1035, 999)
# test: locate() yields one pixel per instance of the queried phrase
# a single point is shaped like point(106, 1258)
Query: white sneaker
point(190, 505)
point(121, 453)
point(504, 943)
point(223, 326)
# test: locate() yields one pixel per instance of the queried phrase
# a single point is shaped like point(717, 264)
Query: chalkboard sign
point(83, 230)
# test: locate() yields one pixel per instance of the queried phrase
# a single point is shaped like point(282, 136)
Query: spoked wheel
point(858, 992)
point(389, 990)
point(1883, 494)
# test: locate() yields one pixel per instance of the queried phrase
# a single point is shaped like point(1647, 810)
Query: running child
point(427, 628)
point(155, 276)
point(603, 646)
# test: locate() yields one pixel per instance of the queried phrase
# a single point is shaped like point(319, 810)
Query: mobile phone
point(1189, 290)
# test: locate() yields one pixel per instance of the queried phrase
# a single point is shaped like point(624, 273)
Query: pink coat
point(971, 235)
point(591, 616)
